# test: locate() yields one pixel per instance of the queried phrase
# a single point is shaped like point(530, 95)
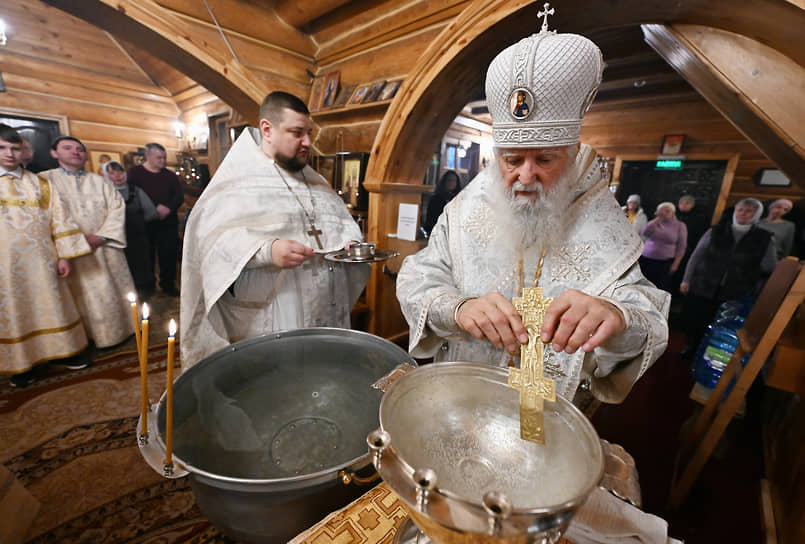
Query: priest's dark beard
point(291, 164)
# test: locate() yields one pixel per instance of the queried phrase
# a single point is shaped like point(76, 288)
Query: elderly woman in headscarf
point(730, 262)
point(634, 213)
point(782, 229)
point(140, 209)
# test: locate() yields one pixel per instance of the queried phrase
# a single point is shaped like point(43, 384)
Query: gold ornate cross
point(529, 380)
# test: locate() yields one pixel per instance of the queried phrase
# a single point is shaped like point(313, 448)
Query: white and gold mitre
point(539, 89)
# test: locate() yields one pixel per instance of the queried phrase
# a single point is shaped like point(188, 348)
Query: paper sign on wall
point(406, 221)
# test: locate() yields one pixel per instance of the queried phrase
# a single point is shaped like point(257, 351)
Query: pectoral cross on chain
point(529, 380)
point(314, 232)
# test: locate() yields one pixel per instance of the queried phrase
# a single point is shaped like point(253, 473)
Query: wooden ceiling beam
point(166, 36)
point(298, 14)
point(730, 103)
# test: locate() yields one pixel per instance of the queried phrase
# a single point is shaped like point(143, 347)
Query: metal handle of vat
point(349, 477)
point(396, 373)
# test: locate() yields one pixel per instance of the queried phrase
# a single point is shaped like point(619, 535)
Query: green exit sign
point(669, 164)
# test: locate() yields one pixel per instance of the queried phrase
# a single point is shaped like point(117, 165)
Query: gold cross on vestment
point(529, 380)
point(314, 232)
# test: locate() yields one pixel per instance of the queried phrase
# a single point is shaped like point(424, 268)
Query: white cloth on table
point(606, 519)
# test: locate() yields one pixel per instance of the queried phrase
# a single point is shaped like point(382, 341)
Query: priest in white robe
point(101, 280)
point(39, 321)
point(253, 246)
point(540, 215)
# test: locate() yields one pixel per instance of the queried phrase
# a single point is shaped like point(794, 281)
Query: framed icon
point(350, 171)
point(672, 144)
point(98, 158)
point(389, 90)
point(374, 91)
point(521, 103)
point(359, 94)
point(316, 93)
point(330, 89)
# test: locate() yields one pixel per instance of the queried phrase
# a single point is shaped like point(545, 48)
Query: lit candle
point(144, 373)
point(169, 397)
point(135, 318)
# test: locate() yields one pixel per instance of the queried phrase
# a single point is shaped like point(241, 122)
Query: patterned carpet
point(70, 440)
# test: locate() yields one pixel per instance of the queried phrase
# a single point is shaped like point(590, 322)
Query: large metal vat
point(449, 446)
point(269, 428)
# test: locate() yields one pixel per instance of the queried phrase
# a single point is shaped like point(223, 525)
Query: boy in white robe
point(39, 321)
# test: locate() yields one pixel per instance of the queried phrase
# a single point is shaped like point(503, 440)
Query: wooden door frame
point(726, 180)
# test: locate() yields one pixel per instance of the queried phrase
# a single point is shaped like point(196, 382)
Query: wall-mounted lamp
point(3, 37)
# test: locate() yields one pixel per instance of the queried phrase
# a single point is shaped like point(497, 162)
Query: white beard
point(531, 220)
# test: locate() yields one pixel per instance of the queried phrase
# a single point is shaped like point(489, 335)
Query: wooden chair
point(768, 318)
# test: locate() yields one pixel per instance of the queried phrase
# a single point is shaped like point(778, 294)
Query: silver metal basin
point(266, 426)
point(449, 445)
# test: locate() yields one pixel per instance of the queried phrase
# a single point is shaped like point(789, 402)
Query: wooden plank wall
point(638, 128)
point(56, 64)
point(366, 42)
point(115, 96)
point(348, 43)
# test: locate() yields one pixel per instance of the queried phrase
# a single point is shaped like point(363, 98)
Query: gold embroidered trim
point(43, 202)
point(76, 255)
point(19, 202)
point(44, 187)
point(40, 332)
point(66, 233)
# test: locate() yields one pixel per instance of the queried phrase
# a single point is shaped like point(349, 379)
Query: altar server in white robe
point(250, 263)
point(38, 318)
point(100, 280)
point(543, 194)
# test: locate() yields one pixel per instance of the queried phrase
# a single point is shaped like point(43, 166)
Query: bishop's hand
point(290, 253)
point(494, 318)
point(577, 320)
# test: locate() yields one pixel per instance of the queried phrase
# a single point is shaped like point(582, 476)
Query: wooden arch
point(452, 71)
point(453, 68)
point(169, 38)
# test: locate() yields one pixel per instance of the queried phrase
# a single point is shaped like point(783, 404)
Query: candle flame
point(172, 328)
point(145, 310)
point(131, 297)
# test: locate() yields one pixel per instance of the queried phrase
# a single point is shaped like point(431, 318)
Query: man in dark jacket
point(164, 189)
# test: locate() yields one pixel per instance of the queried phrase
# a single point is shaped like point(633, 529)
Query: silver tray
point(343, 256)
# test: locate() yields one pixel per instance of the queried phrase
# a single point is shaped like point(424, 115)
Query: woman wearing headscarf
point(666, 238)
point(731, 261)
point(782, 229)
point(634, 213)
point(140, 209)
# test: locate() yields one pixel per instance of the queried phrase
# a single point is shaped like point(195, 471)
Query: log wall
point(638, 129)
point(67, 67)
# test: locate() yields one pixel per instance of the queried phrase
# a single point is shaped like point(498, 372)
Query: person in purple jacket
point(665, 239)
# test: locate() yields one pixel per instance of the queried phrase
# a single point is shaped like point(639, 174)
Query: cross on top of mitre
point(546, 10)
